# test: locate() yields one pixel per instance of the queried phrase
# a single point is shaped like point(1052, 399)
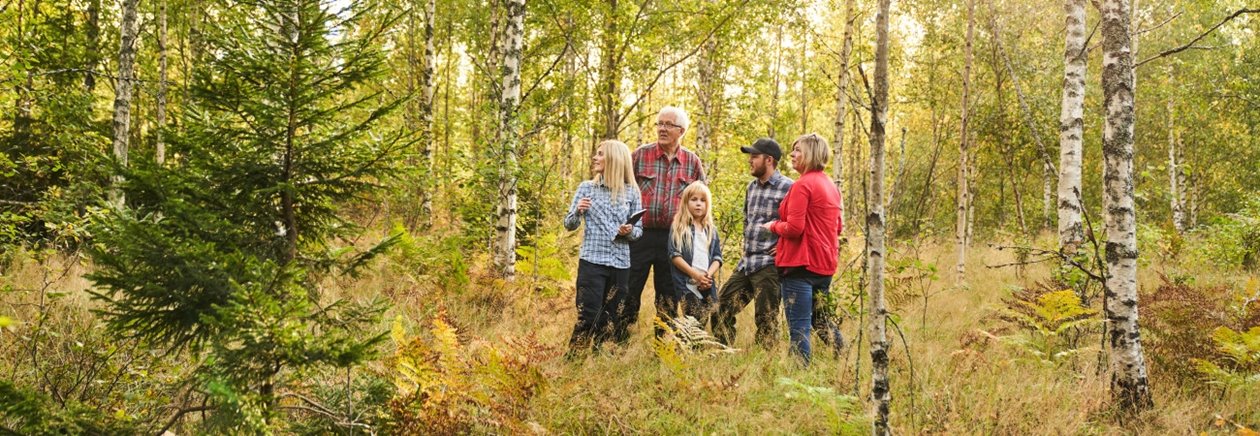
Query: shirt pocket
point(646, 180)
point(680, 184)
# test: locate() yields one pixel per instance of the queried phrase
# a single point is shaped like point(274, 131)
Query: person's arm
point(715, 254)
point(573, 218)
point(636, 203)
point(791, 223)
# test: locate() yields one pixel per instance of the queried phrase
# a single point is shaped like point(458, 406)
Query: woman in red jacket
point(809, 226)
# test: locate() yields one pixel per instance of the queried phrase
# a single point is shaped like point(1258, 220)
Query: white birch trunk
point(961, 229)
point(159, 154)
point(505, 229)
point(426, 116)
point(1072, 128)
point(774, 92)
point(804, 74)
point(1129, 386)
point(1174, 188)
point(842, 103)
point(880, 386)
point(122, 96)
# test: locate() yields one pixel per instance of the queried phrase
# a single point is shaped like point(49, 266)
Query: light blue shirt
point(600, 244)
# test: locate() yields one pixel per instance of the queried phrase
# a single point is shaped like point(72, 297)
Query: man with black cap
point(756, 276)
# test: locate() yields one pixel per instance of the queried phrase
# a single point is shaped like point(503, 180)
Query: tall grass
point(964, 380)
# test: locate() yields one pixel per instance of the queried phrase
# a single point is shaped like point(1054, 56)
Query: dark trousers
point(649, 254)
point(763, 286)
point(600, 297)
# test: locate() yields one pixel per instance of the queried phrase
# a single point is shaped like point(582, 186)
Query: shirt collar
point(774, 180)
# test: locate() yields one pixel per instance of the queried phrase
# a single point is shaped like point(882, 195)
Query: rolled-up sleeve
point(715, 249)
point(572, 219)
point(636, 203)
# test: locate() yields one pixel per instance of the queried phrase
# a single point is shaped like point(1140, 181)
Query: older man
point(662, 169)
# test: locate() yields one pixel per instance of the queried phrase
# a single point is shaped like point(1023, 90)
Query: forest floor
point(958, 369)
point(956, 366)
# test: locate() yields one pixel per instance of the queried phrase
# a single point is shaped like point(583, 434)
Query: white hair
point(680, 115)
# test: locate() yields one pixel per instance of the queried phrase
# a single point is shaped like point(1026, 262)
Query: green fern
point(1241, 352)
point(1049, 324)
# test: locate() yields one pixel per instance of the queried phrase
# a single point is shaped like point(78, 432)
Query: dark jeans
point(763, 286)
point(699, 309)
point(648, 253)
point(600, 296)
point(798, 305)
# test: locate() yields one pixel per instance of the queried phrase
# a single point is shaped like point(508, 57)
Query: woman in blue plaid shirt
point(604, 203)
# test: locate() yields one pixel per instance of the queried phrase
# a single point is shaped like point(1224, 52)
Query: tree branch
point(639, 99)
point(1190, 44)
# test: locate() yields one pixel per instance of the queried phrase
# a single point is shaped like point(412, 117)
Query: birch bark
point(1072, 128)
point(875, 228)
point(505, 228)
point(1129, 386)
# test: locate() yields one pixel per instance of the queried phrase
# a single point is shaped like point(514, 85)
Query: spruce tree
point(219, 251)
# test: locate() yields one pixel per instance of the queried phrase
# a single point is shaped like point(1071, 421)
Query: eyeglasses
point(660, 124)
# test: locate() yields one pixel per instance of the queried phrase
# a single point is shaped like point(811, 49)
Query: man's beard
point(758, 171)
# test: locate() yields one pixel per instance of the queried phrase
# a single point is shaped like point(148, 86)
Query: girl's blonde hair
point(618, 173)
point(681, 228)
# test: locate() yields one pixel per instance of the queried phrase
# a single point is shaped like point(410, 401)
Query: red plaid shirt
point(661, 181)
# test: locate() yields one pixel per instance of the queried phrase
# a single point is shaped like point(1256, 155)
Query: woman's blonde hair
point(814, 151)
point(618, 173)
point(680, 229)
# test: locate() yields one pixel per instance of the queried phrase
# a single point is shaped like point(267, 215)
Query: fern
point(1049, 324)
point(1241, 354)
point(443, 386)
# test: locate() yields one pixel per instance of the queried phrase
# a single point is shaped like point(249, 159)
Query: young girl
point(604, 203)
point(695, 252)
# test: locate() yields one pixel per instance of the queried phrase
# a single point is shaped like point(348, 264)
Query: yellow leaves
point(445, 386)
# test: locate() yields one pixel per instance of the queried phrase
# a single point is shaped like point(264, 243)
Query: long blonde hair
point(618, 172)
point(683, 220)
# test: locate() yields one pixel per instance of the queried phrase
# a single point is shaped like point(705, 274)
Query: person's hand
point(702, 280)
point(773, 248)
point(624, 229)
point(583, 205)
point(766, 226)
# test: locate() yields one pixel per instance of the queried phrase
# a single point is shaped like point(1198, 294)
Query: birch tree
point(1129, 386)
point(505, 228)
point(875, 227)
point(1174, 170)
point(122, 93)
point(961, 229)
point(842, 101)
point(1072, 128)
point(159, 153)
point(425, 115)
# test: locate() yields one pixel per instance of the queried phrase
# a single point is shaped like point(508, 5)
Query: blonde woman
point(604, 203)
point(809, 226)
point(695, 252)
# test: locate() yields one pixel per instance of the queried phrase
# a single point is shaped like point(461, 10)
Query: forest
point(345, 216)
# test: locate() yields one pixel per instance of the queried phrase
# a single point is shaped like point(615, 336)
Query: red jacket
point(809, 225)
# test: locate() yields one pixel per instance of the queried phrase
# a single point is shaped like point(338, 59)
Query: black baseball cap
point(764, 146)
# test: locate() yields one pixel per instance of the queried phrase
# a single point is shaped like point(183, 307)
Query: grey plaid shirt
point(761, 205)
point(602, 221)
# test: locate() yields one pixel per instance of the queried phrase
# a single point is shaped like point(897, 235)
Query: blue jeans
point(798, 306)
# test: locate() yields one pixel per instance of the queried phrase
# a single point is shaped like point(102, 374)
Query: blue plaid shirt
point(761, 205)
point(602, 221)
